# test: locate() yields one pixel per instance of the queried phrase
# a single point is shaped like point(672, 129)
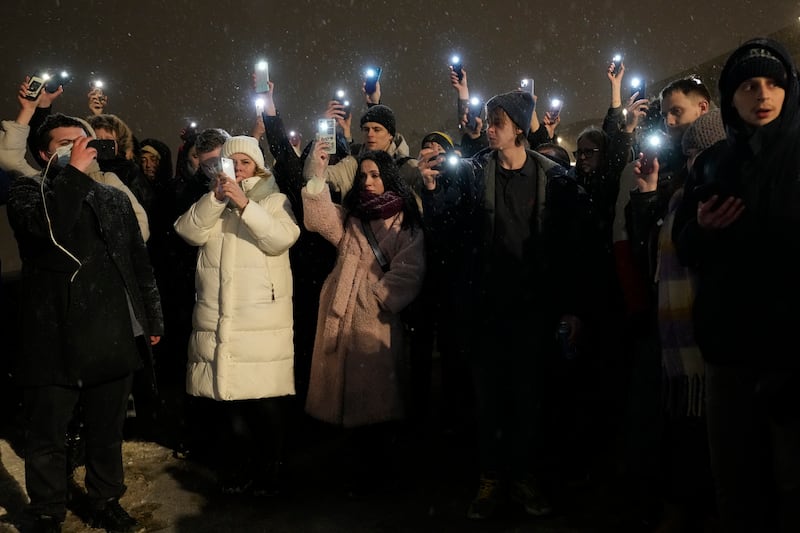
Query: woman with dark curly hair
point(357, 368)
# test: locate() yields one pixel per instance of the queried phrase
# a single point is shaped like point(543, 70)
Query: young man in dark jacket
point(87, 294)
point(500, 204)
point(737, 227)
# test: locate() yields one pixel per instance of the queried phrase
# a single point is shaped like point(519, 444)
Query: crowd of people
point(636, 302)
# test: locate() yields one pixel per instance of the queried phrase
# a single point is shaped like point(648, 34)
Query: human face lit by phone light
point(149, 163)
point(371, 175)
point(759, 101)
point(244, 166)
point(376, 136)
point(192, 160)
point(587, 156)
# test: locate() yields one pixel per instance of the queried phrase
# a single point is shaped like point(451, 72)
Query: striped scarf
point(683, 381)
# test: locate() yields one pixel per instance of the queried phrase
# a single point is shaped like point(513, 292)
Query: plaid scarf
point(683, 381)
point(374, 206)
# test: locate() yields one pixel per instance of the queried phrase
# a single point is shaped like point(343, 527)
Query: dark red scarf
point(374, 206)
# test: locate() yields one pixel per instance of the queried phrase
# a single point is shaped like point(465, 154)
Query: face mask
point(64, 153)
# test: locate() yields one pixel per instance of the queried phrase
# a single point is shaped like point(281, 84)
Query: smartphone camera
point(371, 77)
point(35, 86)
point(326, 132)
point(650, 150)
point(617, 60)
point(262, 77)
point(638, 88)
point(259, 105)
point(526, 85)
point(106, 148)
point(555, 108)
point(455, 64)
point(54, 82)
point(339, 97)
point(473, 112)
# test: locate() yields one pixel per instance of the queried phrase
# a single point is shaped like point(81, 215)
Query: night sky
point(165, 63)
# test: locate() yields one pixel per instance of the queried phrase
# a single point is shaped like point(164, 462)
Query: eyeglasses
point(585, 152)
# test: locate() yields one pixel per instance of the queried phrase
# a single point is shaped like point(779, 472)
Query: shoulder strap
point(374, 245)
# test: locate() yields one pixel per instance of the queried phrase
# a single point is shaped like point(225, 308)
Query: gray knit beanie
point(518, 105)
point(704, 132)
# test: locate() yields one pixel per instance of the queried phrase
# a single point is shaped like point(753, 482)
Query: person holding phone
point(90, 313)
point(240, 351)
point(744, 249)
point(357, 372)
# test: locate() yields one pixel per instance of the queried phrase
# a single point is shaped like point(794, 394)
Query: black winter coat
point(78, 319)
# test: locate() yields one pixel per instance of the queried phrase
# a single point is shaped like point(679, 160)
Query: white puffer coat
point(241, 345)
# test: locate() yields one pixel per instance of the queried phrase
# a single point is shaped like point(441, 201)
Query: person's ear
point(704, 106)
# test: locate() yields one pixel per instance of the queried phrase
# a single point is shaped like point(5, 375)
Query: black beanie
point(756, 62)
point(518, 105)
point(443, 139)
point(382, 115)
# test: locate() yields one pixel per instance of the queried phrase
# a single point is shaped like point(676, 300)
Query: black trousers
point(48, 410)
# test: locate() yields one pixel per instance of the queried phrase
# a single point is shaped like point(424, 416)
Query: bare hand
point(374, 98)
point(155, 339)
point(460, 86)
point(82, 154)
point(319, 163)
point(429, 158)
point(636, 112)
point(725, 214)
point(646, 178)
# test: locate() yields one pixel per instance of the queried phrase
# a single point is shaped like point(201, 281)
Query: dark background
point(167, 62)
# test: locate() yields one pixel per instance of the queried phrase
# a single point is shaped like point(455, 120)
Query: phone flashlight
point(617, 60)
point(455, 64)
point(555, 107)
point(259, 104)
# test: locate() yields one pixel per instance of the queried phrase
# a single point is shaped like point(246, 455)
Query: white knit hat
point(242, 144)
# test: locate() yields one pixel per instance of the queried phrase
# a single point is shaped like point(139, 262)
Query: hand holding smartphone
point(262, 77)
point(371, 78)
point(455, 64)
point(35, 86)
point(526, 85)
point(555, 108)
point(326, 132)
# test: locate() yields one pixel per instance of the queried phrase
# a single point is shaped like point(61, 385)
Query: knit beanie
point(242, 144)
point(704, 132)
point(754, 63)
point(383, 116)
point(518, 105)
point(439, 137)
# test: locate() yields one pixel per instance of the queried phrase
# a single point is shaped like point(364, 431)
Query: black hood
point(728, 84)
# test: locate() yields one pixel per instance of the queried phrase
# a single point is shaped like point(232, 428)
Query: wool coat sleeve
point(341, 175)
point(321, 214)
point(13, 139)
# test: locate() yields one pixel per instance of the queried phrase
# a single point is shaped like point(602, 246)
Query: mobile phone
point(638, 86)
point(555, 108)
point(455, 64)
point(228, 167)
point(54, 82)
point(339, 96)
point(106, 148)
point(617, 60)
point(705, 191)
point(371, 78)
point(35, 86)
point(526, 85)
point(473, 112)
point(650, 150)
point(326, 132)
point(262, 77)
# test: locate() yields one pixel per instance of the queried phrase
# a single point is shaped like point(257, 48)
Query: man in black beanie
point(510, 277)
point(380, 133)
